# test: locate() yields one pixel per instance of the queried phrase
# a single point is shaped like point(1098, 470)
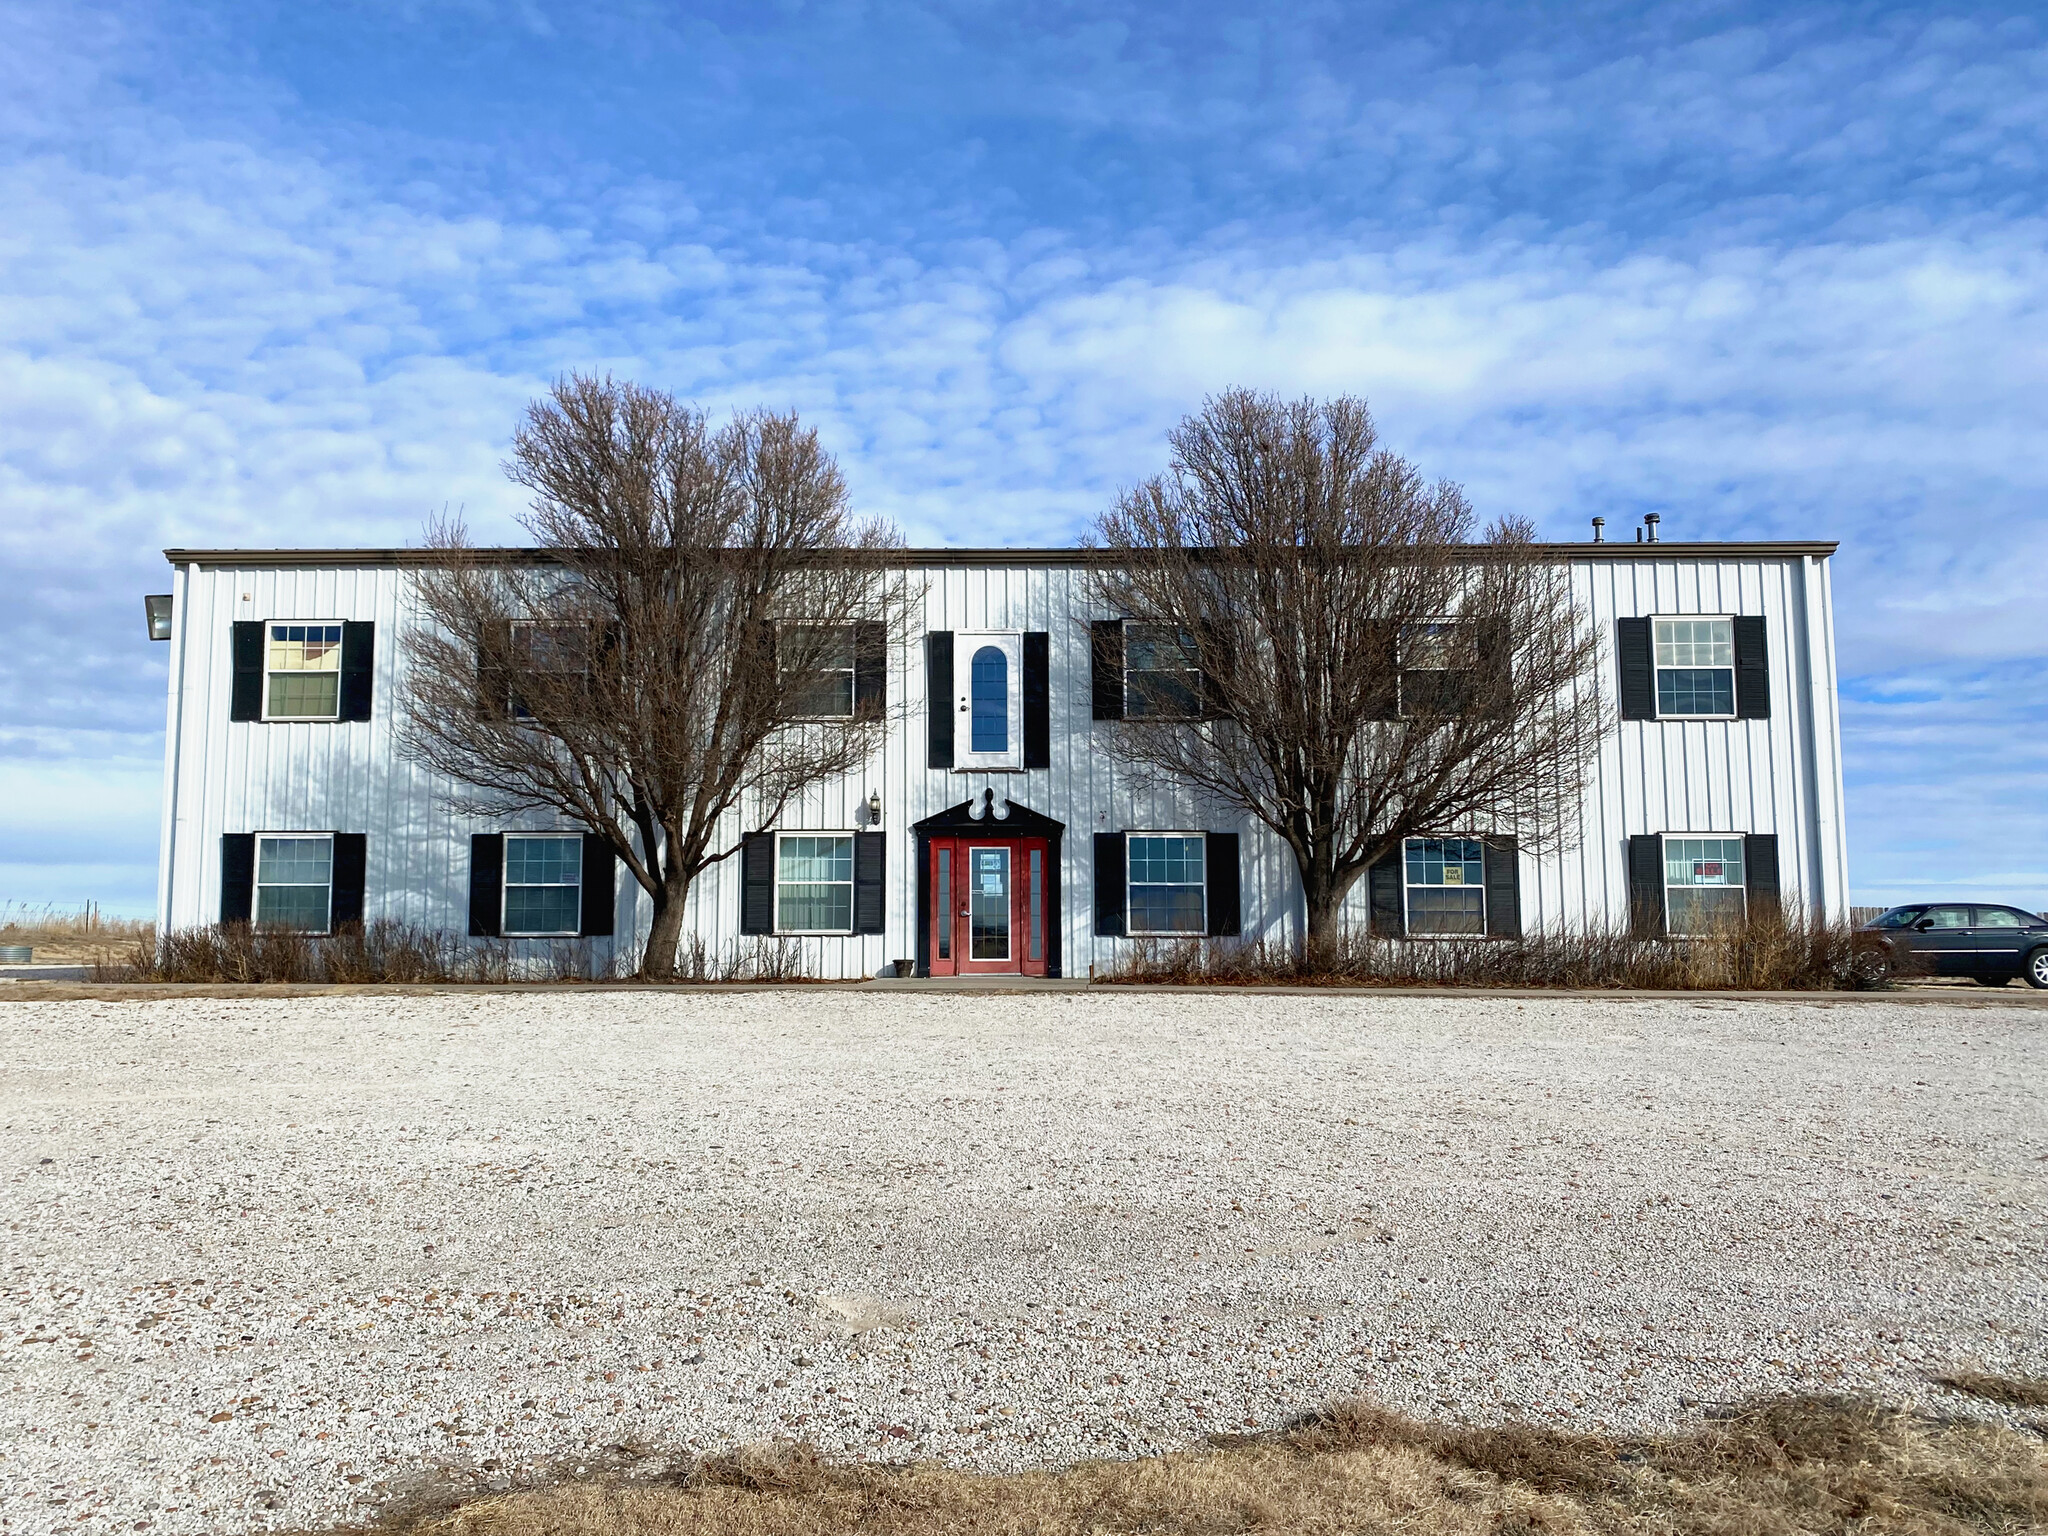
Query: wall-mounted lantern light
point(158, 609)
point(874, 807)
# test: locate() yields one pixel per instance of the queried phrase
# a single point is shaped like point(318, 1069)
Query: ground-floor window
point(543, 884)
point(1168, 885)
point(295, 882)
point(1703, 883)
point(814, 883)
point(1446, 885)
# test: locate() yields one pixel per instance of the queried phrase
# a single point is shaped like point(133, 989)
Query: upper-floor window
point(294, 881)
point(552, 659)
point(1695, 660)
point(989, 700)
point(1162, 673)
point(302, 672)
point(818, 664)
point(1446, 884)
point(1438, 661)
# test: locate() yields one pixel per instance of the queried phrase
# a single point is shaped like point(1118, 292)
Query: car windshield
point(1899, 917)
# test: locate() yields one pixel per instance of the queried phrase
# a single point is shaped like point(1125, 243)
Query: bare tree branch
point(683, 652)
point(1370, 673)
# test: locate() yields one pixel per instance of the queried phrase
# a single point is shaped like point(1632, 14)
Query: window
point(543, 884)
point(554, 659)
point(294, 879)
point(818, 662)
point(2000, 917)
point(1162, 674)
point(989, 689)
point(1437, 663)
point(1446, 879)
point(1695, 660)
point(1900, 917)
point(1168, 887)
point(1703, 884)
point(813, 884)
point(303, 668)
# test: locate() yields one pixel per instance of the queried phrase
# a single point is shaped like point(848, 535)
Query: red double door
point(991, 902)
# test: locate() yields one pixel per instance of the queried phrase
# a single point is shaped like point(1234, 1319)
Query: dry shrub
point(1765, 954)
point(1797, 1465)
point(2015, 1391)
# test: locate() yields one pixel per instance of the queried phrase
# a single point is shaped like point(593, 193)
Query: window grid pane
point(989, 701)
point(1703, 880)
point(825, 651)
point(1446, 884)
point(293, 880)
point(1695, 691)
point(1162, 675)
point(1695, 643)
point(1167, 884)
point(814, 884)
point(304, 666)
point(543, 885)
point(542, 909)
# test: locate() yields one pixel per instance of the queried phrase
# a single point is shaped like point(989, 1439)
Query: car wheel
point(1871, 966)
point(2036, 972)
point(1991, 981)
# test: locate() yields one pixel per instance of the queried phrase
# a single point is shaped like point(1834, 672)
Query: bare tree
point(1313, 637)
point(681, 649)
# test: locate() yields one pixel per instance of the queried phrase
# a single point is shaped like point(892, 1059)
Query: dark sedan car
point(1990, 945)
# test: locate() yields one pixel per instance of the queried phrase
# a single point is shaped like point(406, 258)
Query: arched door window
point(989, 694)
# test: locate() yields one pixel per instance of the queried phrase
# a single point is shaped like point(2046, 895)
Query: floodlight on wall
point(157, 608)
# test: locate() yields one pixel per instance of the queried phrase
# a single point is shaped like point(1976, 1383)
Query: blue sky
point(281, 274)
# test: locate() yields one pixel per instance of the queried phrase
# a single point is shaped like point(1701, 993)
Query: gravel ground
point(283, 1262)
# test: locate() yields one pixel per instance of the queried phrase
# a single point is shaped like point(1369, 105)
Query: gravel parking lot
point(282, 1261)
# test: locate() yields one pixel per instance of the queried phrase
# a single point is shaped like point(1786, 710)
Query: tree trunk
point(671, 900)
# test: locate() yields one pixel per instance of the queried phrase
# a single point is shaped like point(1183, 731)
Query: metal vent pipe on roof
point(1650, 521)
point(1599, 530)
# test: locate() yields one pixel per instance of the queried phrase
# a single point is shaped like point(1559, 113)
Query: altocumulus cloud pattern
point(283, 275)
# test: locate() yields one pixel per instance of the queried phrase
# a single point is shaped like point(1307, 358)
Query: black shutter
point(1219, 854)
point(938, 689)
point(1383, 883)
point(1503, 888)
point(1209, 656)
point(1638, 677)
point(1752, 670)
point(237, 874)
point(1646, 884)
point(1760, 869)
point(351, 860)
point(246, 702)
point(1106, 671)
point(757, 883)
point(600, 888)
point(1383, 644)
point(494, 676)
point(870, 854)
point(1109, 884)
point(358, 656)
point(870, 669)
point(486, 884)
point(1494, 686)
point(1037, 699)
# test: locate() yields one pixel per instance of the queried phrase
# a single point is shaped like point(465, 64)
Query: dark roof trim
point(1789, 549)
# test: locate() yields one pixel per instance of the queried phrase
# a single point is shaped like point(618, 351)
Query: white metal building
point(1007, 839)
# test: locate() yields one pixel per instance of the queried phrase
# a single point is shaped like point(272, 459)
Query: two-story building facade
point(993, 832)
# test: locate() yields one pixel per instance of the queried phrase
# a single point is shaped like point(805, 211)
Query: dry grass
point(2013, 1391)
point(71, 936)
point(386, 952)
point(1799, 1465)
point(1765, 955)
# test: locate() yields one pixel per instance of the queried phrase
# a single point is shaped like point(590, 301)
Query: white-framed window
point(1704, 887)
point(1445, 880)
point(1437, 661)
point(817, 662)
point(988, 729)
point(302, 671)
point(1162, 673)
point(543, 884)
point(814, 882)
point(553, 653)
point(294, 880)
point(1695, 663)
point(1167, 876)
